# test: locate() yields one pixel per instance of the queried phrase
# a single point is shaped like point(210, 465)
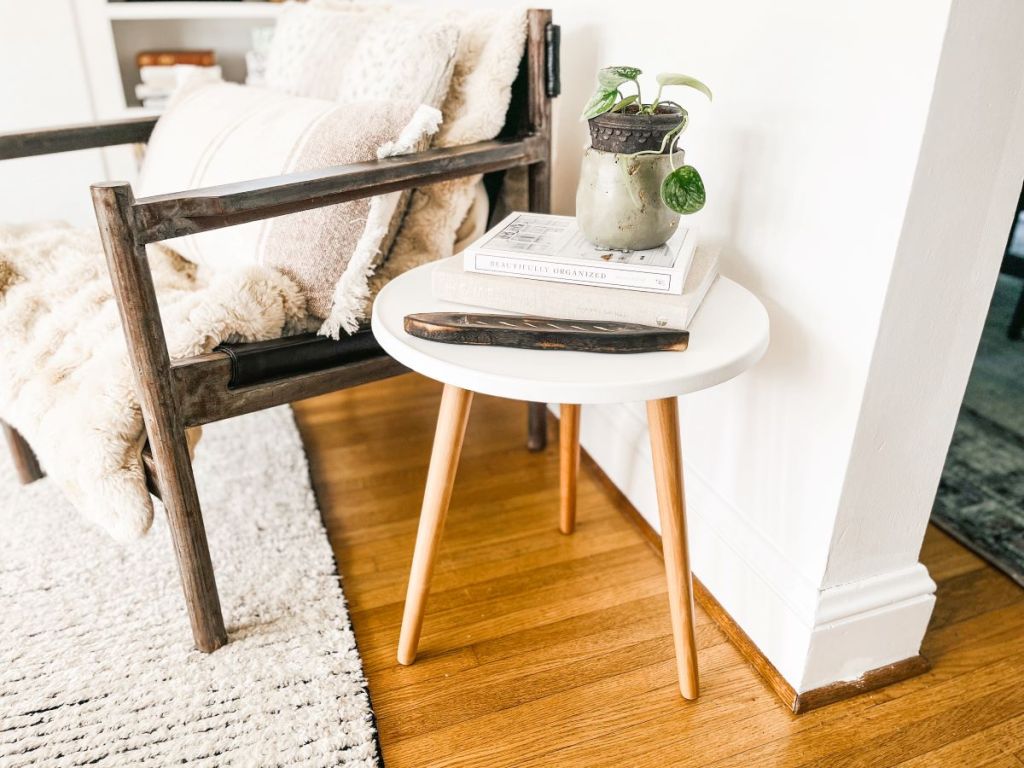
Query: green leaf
point(672, 78)
point(613, 77)
point(624, 103)
point(600, 103)
point(683, 190)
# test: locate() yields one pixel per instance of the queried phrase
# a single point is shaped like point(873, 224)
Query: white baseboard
point(814, 637)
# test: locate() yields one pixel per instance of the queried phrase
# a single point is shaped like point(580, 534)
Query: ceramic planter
point(618, 201)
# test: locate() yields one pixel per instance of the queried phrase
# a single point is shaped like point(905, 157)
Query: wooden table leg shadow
point(663, 420)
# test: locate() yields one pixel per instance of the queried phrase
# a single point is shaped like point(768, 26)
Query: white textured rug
point(96, 661)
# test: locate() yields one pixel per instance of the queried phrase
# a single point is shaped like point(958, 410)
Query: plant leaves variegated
point(624, 103)
point(683, 190)
point(613, 77)
point(600, 103)
point(674, 78)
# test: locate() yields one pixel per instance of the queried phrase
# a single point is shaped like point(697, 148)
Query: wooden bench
point(239, 379)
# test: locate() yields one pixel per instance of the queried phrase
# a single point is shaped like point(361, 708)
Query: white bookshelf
point(224, 27)
point(111, 34)
point(181, 11)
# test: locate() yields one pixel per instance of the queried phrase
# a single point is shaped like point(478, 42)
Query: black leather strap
point(263, 361)
point(553, 75)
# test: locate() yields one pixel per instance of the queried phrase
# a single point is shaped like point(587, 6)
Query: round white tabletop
point(728, 335)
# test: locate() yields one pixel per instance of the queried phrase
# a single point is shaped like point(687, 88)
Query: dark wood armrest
point(184, 213)
point(68, 138)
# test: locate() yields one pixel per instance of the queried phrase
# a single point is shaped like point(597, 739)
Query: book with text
point(539, 246)
point(578, 302)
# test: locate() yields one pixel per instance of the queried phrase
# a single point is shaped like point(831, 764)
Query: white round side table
point(728, 335)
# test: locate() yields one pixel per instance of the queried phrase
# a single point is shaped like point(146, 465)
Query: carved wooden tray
point(524, 332)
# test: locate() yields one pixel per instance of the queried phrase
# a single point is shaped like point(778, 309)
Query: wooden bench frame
point(184, 393)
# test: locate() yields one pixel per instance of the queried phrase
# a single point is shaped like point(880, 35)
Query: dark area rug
point(980, 501)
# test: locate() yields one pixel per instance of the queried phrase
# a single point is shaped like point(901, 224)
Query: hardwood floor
point(541, 649)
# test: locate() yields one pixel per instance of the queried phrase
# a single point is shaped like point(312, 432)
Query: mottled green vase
point(618, 200)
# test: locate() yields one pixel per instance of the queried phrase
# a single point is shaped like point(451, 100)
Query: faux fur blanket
point(65, 380)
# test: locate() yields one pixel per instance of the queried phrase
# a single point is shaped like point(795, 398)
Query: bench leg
point(185, 520)
point(537, 426)
point(147, 353)
point(444, 461)
point(663, 419)
point(25, 462)
point(569, 463)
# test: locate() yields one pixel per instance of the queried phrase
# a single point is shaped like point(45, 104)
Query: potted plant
point(633, 183)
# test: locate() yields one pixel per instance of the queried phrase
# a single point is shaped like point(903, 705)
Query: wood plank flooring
point(541, 649)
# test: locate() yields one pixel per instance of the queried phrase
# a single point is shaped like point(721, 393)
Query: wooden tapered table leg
point(569, 459)
point(663, 419)
point(733, 330)
point(444, 461)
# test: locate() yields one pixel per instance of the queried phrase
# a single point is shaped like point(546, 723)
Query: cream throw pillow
point(223, 133)
point(311, 47)
point(486, 61)
point(351, 52)
point(491, 44)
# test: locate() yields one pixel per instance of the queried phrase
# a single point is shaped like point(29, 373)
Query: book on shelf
point(538, 246)
point(167, 58)
point(160, 81)
point(451, 282)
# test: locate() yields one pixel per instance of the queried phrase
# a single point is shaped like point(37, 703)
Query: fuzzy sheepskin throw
point(65, 381)
point(220, 133)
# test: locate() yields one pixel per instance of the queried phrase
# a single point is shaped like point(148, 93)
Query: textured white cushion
point(350, 52)
point(223, 133)
point(491, 43)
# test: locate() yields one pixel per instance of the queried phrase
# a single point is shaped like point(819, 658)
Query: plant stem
point(670, 136)
point(657, 99)
point(639, 99)
point(627, 179)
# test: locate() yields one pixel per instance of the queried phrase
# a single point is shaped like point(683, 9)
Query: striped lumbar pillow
point(224, 133)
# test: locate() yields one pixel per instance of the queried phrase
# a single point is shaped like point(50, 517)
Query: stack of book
point(162, 72)
point(538, 264)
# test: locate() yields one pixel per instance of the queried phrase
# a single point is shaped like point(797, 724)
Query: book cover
point(545, 247)
point(201, 58)
point(578, 302)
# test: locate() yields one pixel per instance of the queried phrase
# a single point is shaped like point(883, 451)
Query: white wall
point(808, 151)
point(45, 84)
point(837, 195)
point(971, 151)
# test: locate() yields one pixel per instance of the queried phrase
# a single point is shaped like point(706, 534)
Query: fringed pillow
point(347, 51)
point(224, 133)
point(490, 47)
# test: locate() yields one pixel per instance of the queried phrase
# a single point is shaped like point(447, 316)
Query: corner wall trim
point(870, 681)
point(798, 703)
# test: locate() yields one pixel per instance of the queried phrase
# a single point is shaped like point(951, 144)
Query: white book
point(156, 102)
point(539, 246)
point(146, 91)
point(578, 302)
point(170, 76)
